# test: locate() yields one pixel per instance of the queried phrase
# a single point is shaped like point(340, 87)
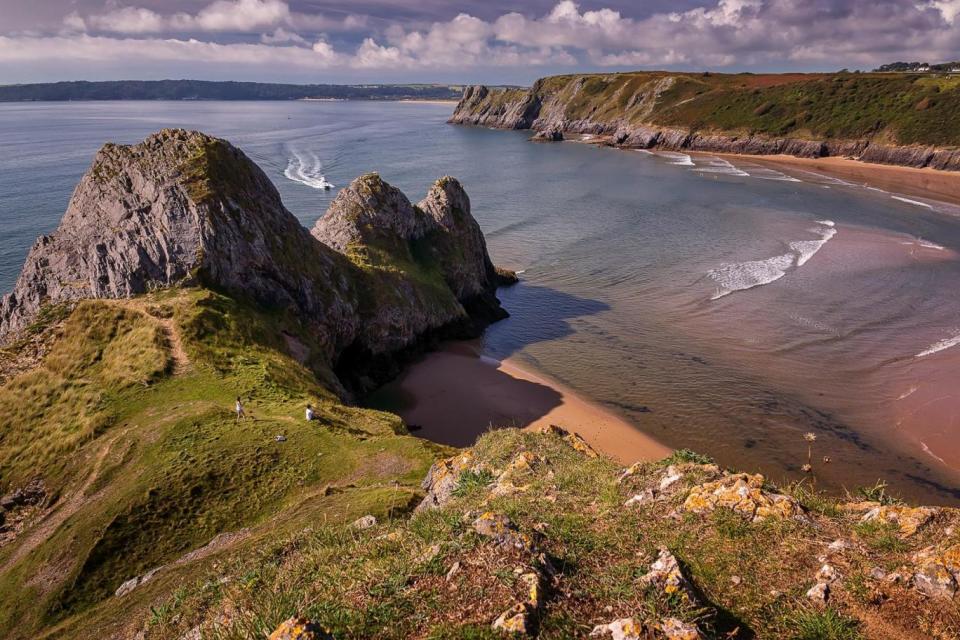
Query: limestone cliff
point(896, 119)
point(186, 208)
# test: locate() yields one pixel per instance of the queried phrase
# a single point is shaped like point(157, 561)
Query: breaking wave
point(942, 345)
point(307, 171)
point(680, 159)
point(916, 202)
point(721, 166)
point(740, 276)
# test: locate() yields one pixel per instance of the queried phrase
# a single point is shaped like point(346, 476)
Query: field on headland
point(906, 119)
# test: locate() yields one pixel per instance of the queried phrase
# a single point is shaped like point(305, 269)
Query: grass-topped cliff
point(843, 113)
point(136, 505)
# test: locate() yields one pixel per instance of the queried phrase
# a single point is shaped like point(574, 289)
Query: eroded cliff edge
point(900, 119)
point(375, 278)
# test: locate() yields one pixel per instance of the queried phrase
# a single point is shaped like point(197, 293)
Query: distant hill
point(213, 90)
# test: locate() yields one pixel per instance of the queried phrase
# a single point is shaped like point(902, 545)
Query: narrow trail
point(181, 361)
point(57, 515)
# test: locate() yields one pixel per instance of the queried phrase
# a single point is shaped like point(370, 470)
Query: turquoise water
point(724, 307)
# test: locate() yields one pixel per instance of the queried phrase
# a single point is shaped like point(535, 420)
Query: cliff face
point(185, 208)
point(894, 119)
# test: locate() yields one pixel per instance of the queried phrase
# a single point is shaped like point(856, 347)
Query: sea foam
point(942, 345)
point(721, 166)
point(680, 159)
point(915, 202)
point(740, 276)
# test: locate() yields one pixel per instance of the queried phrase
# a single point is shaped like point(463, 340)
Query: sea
point(718, 304)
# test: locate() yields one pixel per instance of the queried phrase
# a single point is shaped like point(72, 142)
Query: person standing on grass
point(241, 415)
point(309, 413)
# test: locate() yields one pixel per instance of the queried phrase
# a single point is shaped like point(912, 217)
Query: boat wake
point(740, 276)
point(307, 171)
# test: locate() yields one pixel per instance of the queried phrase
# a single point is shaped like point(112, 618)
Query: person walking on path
point(241, 415)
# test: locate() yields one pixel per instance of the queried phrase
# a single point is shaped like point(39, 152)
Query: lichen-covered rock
point(515, 620)
point(504, 533)
point(364, 522)
point(743, 493)
point(676, 629)
point(937, 571)
point(907, 519)
point(621, 629)
point(442, 479)
point(665, 575)
point(575, 440)
point(297, 628)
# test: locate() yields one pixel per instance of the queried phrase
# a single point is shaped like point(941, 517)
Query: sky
point(490, 41)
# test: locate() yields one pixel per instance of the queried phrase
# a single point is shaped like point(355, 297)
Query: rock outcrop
point(377, 276)
point(640, 111)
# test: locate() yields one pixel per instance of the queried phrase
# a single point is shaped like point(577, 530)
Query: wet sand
point(925, 183)
point(429, 101)
point(454, 395)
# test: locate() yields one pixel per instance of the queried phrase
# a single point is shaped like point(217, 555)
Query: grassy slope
point(149, 465)
point(892, 108)
point(389, 582)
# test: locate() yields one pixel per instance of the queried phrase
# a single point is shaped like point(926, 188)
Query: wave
point(942, 345)
point(806, 249)
point(909, 392)
point(916, 202)
point(680, 159)
point(721, 166)
point(931, 245)
point(740, 276)
point(306, 171)
point(764, 173)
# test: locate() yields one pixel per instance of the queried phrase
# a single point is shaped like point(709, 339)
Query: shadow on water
point(537, 314)
point(454, 395)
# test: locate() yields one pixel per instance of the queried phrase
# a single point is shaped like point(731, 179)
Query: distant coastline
point(221, 90)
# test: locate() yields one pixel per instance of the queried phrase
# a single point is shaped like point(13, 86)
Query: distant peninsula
point(216, 90)
point(905, 119)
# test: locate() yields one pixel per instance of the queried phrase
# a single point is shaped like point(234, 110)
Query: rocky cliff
point(376, 276)
point(891, 119)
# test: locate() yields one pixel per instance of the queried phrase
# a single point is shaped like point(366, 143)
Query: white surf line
point(941, 345)
point(927, 450)
point(740, 276)
point(908, 393)
point(909, 201)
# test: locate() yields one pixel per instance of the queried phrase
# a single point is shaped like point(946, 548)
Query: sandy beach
point(454, 395)
point(925, 183)
point(453, 102)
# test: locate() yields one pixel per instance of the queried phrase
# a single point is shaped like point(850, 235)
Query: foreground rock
point(745, 494)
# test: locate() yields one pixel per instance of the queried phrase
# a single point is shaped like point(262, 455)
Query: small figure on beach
point(241, 415)
point(309, 413)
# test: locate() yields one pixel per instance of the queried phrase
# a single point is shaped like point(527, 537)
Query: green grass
point(881, 536)
point(887, 108)
point(823, 625)
point(177, 469)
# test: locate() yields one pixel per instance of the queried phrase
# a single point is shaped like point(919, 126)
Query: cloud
point(220, 16)
point(282, 36)
point(720, 34)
